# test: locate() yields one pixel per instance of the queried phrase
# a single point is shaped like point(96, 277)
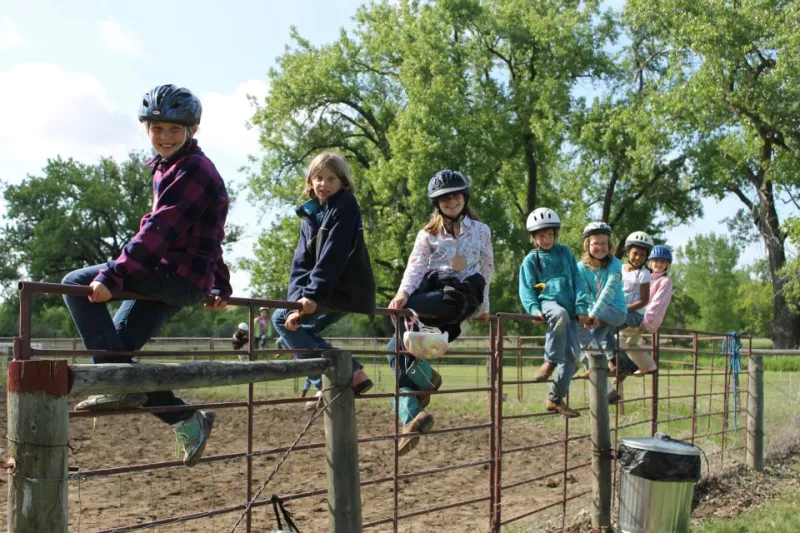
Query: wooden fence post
point(601, 443)
point(38, 432)
point(341, 445)
point(755, 413)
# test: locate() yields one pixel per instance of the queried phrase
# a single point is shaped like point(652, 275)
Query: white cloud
point(225, 117)
point(49, 111)
point(9, 35)
point(118, 39)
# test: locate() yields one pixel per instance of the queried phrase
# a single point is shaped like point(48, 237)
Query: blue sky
point(72, 74)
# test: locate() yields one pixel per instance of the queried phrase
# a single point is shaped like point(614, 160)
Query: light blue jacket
point(602, 288)
point(555, 268)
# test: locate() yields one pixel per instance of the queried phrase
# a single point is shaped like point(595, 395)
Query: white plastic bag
point(423, 341)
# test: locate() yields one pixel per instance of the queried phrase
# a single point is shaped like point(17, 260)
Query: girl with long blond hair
point(331, 265)
point(602, 295)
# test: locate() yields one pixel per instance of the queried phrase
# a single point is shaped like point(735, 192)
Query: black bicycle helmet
point(446, 182)
point(169, 103)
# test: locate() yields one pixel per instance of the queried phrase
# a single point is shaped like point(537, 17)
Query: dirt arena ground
point(101, 503)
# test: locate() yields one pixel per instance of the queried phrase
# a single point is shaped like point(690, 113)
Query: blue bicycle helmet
point(661, 252)
point(168, 103)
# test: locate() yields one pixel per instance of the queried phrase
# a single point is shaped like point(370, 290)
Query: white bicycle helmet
point(639, 239)
point(596, 228)
point(542, 218)
point(244, 327)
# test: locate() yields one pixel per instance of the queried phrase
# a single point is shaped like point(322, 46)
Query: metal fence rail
point(538, 465)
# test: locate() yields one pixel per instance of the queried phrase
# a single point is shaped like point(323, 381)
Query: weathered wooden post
point(341, 445)
point(38, 432)
point(601, 443)
point(755, 413)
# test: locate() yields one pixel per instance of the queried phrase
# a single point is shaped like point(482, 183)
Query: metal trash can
point(657, 482)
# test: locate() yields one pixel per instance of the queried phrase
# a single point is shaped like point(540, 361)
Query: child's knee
point(279, 318)
point(73, 278)
point(559, 320)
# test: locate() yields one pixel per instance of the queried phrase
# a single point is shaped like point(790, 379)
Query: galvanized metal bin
point(657, 482)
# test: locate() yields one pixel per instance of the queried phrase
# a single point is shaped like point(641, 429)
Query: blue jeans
point(135, 323)
point(561, 347)
point(425, 303)
point(612, 318)
point(307, 336)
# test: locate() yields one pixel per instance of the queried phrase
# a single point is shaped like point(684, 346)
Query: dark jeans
point(135, 323)
point(424, 303)
point(308, 336)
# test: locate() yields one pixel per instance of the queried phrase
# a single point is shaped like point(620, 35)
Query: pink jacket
point(660, 296)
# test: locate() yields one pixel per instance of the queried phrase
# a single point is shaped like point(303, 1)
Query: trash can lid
point(661, 444)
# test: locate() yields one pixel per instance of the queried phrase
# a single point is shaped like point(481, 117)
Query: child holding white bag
point(447, 277)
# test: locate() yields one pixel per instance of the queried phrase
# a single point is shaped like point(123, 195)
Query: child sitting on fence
point(660, 288)
point(548, 284)
point(602, 295)
point(175, 258)
point(660, 298)
point(447, 277)
point(636, 286)
point(331, 265)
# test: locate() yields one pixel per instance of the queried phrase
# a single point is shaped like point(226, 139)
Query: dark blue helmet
point(446, 182)
point(169, 103)
point(661, 252)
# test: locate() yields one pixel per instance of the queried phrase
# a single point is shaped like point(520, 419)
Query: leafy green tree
point(754, 300)
point(728, 83)
point(630, 177)
point(73, 215)
point(683, 312)
point(791, 271)
point(706, 272)
point(482, 87)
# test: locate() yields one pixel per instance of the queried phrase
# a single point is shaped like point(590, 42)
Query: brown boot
point(422, 423)
point(561, 408)
point(436, 382)
point(544, 372)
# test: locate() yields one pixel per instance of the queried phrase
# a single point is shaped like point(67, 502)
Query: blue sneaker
point(191, 436)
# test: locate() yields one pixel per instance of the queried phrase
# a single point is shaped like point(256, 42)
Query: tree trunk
point(786, 323)
point(530, 164)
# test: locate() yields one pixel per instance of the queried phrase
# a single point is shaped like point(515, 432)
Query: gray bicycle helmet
point(596, 228)
point(639, 239)
point(542, 218)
